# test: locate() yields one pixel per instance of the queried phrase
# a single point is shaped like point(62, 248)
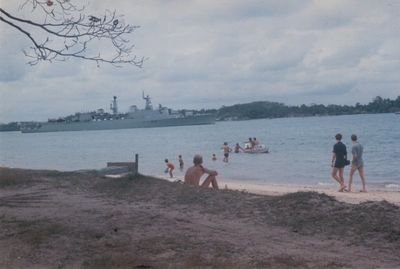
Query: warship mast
point(148, 106)
point(114, 106)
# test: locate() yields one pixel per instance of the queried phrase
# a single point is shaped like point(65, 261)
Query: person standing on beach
point(194, 174)
point(339, 156)
point(357, 162)
point(170, 167)
point(226, 150)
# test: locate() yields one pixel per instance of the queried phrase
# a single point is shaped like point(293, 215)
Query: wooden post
point(136, 164)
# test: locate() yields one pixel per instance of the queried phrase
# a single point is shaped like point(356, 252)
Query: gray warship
point(134, 118)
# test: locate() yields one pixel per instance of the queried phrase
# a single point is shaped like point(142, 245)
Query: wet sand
point(52, 219)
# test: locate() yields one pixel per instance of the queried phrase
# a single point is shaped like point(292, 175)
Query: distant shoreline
point(305, 116)
point(274, 110)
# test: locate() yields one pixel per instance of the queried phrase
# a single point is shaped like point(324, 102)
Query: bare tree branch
point(68, 33)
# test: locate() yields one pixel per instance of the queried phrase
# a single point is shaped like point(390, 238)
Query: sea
point(300, 149)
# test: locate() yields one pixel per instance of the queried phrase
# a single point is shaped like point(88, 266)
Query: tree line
point(266, 109)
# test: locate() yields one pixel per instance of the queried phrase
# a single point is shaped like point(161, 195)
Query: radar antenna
point(148, 106)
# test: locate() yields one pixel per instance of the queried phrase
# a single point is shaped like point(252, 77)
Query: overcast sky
point(209, 53)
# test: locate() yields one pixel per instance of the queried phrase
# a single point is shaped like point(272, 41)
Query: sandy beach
point(355, 197)
point(52, 219)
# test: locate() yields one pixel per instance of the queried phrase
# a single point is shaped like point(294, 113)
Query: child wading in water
point(170, 167)
point(180, 160)
point(226, 149)
point(238, 148)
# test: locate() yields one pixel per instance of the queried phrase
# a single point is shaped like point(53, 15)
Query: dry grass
point(143, 222)
point(33, 232)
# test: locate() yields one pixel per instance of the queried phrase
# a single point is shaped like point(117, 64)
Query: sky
point(208, 53)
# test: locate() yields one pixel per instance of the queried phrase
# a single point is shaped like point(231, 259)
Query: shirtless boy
point(194, 173)
point(170, 167)
point(238, 148)
point(226, 150)
point(181, 163)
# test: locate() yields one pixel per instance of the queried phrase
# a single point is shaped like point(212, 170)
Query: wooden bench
point(133, 167)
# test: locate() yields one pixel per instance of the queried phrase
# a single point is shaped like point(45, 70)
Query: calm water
point(300, 148)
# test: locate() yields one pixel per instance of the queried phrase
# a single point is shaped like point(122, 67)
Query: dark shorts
point(226, 155)
point(339, 164)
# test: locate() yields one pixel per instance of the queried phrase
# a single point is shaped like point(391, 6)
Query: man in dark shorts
point(339, 157)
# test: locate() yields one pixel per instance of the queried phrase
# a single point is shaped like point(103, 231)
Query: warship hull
point(117, 124)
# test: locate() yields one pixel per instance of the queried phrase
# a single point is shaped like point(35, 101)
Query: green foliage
point(254, 110)
point(257, 110)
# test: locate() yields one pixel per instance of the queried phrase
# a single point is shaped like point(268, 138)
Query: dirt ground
point(51, 219)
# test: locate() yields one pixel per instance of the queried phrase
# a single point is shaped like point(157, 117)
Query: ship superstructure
point(134, 118)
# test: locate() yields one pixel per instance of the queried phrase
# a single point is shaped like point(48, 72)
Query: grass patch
point(32, 232)
point(16, 177)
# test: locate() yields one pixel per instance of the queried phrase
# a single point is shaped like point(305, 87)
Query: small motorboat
point(260, 148)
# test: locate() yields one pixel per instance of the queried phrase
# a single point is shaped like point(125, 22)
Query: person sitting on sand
point(181, 163)
point(194, 173)
point(357, 163)
point(339, 157)
point(170, 167)
point(214, 158)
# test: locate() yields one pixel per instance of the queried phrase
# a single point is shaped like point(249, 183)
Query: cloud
point(212, 53)
point(11, 56)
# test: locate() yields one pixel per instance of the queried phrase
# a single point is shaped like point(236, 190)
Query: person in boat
point(255, 142)
point(249, 144)
point(181, 163)
point(194, 174)
point(339, 157)
point(225, 147)
point(214, 158)
point(170, 168)
point(357, 163)
point(238, 148)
